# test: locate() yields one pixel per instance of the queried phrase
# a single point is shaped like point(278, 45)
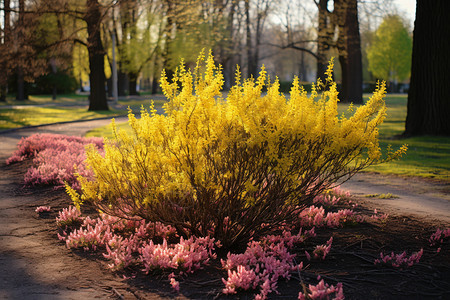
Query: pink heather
point(54, 158)
point(42, 209)
point(399, 260)
point(323, 291)
point(262, 264)
point(439, 236)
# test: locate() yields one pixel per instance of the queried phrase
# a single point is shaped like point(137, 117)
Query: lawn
point(43, 110)
point(427, 156)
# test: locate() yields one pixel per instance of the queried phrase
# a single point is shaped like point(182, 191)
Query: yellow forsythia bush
point(232, 167)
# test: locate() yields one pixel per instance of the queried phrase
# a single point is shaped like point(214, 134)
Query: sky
point(408, 7)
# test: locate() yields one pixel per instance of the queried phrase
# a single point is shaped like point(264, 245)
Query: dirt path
point(412, 196)
point(34, 265)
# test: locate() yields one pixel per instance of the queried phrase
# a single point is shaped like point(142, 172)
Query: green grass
point(42, 109)
point(427, 156)
point(30, 116)
point(47, 99)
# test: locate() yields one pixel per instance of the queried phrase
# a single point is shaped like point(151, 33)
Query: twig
point(117, 293)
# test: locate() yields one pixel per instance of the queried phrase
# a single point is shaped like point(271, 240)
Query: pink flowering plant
point(439, 238)
point(322, 291)
point(43, 209)
point(56, 158)
point(399, 260)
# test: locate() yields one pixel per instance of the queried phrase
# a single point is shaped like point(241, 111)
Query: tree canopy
point(389, 55)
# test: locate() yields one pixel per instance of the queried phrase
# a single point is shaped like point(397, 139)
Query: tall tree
point(429, 94)
point(389, 55)
point(93, 18)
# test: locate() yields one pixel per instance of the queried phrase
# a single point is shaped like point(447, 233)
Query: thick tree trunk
point(170, 37)
point(251, 63)
point(122, 83)
point(97, 98)
point(6, 39)
point(323, 39)
point(21, 95)
point(352, 75)
point(349, 48)
point(132, 84)
point(429, 94)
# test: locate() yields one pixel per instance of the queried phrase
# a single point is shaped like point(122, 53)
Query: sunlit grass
point(426, 156)
point(30, 116)
point(46, 99)
point(42, 109)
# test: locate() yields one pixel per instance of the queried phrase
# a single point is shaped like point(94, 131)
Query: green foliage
point(65, 83)
point(390, 53)
point(232, 168)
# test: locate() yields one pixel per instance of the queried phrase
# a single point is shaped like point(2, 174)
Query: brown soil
point(34, 264)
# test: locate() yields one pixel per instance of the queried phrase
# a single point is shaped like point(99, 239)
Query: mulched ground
point(351, 260)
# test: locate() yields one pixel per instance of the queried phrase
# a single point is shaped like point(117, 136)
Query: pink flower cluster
point(322, 291)
point(379, 217)
point(327, 200)
point(337, 191)
point(400, 260)
point(321, 251)
point(439, 236)
point(43, 209)
point(68, 217)
point(262, 264)
point(56, 158)
point(186, 255)
point(316, 216)
point(130, 242)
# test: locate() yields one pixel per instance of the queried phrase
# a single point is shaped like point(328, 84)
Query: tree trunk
point(349, 49)
point(122, 83)
point(429, 95)
point(132, 84)
point(97, 98)
point(4, 62)
point(323, 39)
point(21, 95)
point(251, 64)
point(167, 52)
point(352, 85)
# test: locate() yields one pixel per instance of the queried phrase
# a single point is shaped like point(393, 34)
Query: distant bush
point(236, 168)
point(65, 83)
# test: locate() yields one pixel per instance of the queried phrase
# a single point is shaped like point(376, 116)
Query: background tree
point(389, 55)
point(429, 94)
point(349, 49)
point(5, 48)
point(93, 17)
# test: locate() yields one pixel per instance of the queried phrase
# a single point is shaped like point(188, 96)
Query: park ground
point(35, 265)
